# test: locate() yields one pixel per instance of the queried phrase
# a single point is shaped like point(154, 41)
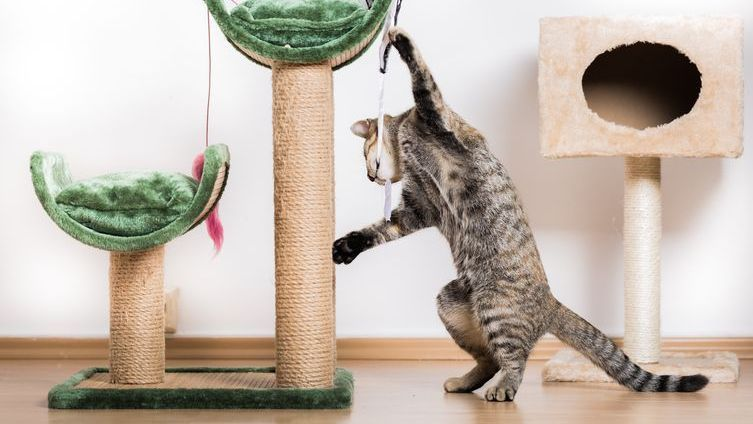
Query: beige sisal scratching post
point(644, 89)
point(304, 42)
point(304, 224)
point(641, 240)
point(137, 316)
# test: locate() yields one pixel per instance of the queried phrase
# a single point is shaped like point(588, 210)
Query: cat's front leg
point(403, 221)
point(426, 94)
point(345, 249)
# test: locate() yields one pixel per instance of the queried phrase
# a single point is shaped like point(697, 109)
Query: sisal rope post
point(304, 224)
point(137, 317)
point(642, 237)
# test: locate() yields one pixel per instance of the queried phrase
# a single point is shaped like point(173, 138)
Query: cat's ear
point(361, 128)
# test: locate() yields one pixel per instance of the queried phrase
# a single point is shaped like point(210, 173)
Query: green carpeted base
point(69, 394)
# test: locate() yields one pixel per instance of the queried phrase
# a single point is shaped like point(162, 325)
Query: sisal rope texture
point(190, 380)
point(137, 317)
point(642, 237)
point(304, 224)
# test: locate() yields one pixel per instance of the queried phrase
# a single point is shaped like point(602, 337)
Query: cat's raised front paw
point(397, 34)
point(402, 41)
point(345, 249)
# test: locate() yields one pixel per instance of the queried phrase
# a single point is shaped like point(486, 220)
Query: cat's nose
point(371, 178)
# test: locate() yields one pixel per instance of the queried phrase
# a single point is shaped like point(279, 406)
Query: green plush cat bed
point(128, 211)
point(198, 388)
point(300, 31)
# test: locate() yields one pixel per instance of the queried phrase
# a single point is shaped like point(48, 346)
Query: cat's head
point(389, 164)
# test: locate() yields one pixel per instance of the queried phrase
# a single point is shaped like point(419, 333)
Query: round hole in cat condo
point(641, 85)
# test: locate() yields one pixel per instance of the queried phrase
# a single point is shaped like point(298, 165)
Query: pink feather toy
point(214, 226)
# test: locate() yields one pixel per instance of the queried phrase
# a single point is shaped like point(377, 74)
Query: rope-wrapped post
point(304, 224)
point(642, 237)
point(137, 317)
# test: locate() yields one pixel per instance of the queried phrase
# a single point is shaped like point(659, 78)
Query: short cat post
point(641, 88)
point(133, 215)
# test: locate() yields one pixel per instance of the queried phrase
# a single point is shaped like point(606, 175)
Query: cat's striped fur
point(500, 304)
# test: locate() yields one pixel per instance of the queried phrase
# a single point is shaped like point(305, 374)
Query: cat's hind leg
point(456, 312)
point(511, 324)
point(512, 366)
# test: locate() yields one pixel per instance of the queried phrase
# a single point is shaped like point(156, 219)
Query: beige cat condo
point(644, 89)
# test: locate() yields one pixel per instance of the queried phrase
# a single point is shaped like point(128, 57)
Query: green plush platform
point(211, 388)
point(128, 203)
point(128, 211)
point(300, 31)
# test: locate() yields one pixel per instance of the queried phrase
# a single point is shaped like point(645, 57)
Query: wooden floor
point(396, 392)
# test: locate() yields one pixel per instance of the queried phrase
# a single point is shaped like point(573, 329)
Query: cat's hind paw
point(456, 385)
point(500, 394)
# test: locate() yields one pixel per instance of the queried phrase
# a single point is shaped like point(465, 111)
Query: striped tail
point(596, 346)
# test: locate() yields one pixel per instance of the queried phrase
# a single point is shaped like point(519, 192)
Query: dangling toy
point(384, 53)
point(213, 223)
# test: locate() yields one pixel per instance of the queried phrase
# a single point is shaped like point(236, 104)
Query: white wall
point(119, 85)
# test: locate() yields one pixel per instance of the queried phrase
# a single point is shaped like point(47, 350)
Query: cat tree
point(645, 89)
point(302, 42)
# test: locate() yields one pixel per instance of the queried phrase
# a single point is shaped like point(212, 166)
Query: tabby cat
point(500, 304)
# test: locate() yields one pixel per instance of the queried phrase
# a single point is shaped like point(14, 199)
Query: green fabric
point(128, 204)
point(299, 31)
point(51, 178)
point(67, 396)
point(298, 23)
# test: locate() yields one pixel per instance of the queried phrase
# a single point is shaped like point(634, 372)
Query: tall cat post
point(303, 41)
point(645, 89)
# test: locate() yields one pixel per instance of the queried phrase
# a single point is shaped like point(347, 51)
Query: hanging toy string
point(213, 223)
point(384, 53)
point(209, 77)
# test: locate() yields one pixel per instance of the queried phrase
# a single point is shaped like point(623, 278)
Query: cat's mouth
point(375, 178)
